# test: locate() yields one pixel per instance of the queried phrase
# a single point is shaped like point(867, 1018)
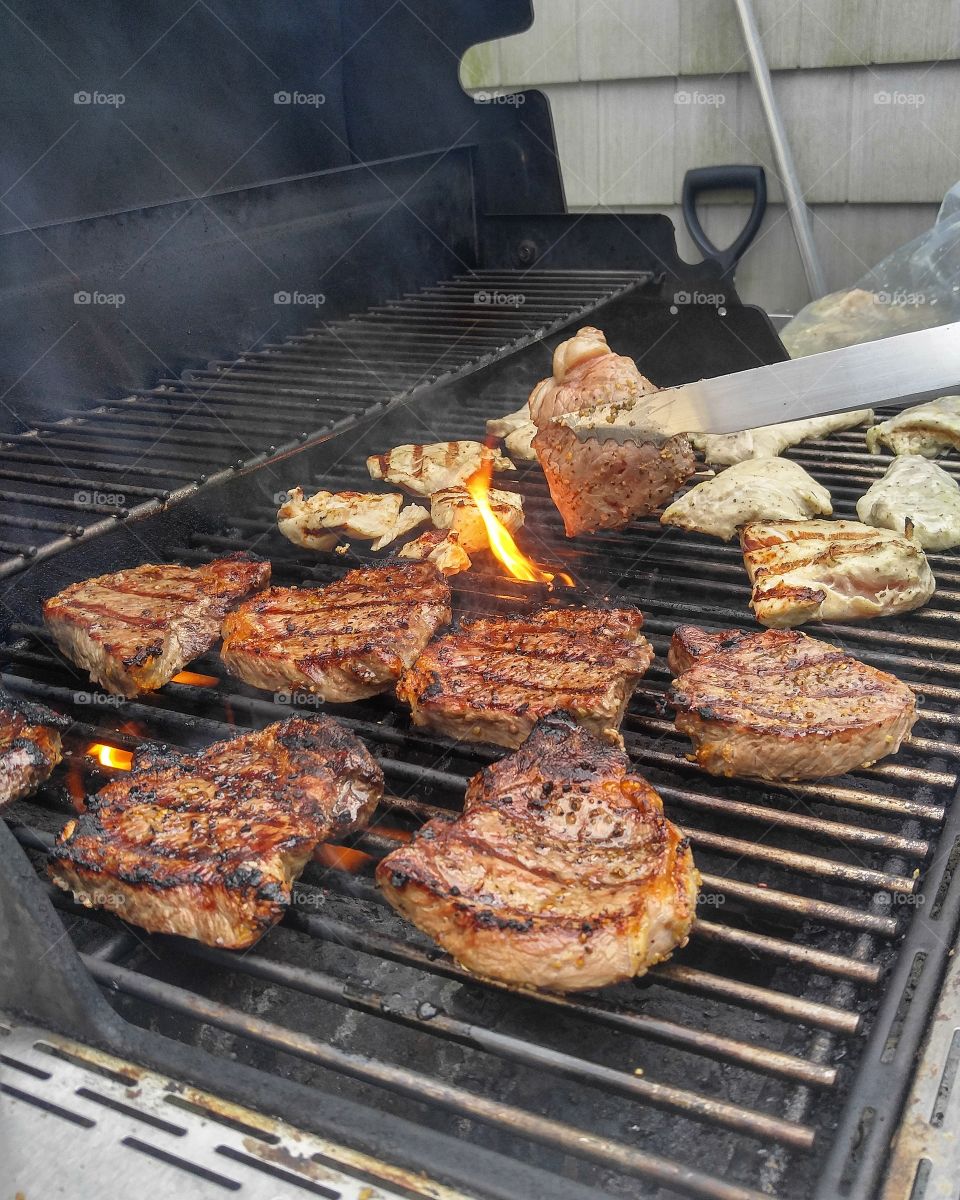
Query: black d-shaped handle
point(716, 179)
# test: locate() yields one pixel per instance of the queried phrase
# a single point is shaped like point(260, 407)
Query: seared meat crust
point(29, 746)
point(208, 845)
point(780, 705)
point(562, 873)
point(493, 678)
point(344, 642)
point(134, 630)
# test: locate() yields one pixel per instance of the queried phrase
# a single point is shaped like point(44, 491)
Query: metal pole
point(796, 205)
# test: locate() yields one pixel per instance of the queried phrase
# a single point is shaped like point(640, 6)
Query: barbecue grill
point(774, 1054)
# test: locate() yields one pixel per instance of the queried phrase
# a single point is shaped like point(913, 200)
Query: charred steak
point(29, 746)
point(562, 873)
point(134, 630)
point(343, 642)
point(780, 705)
point(492, 679)
point(208, 846)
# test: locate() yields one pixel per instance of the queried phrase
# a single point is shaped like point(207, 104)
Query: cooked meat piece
point(603, 484)
point(519, 443)
point(915, 498)
point(346, 641)
point(29, 746)
point(133, 631)
point(831, 571)
point(929, 429)
point(722, 449)
point(502, 426)
point(440, 548)
point(455, 509)
point(780, 705)
point(424, 470)
point(492, 679)
point(562, 873)
point(319, 521)
point(586, 373)
point(766, 488)
point(208, 846)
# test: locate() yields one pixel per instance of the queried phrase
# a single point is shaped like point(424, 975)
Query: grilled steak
point(831, 571)
point(29, 746)
point(586, 372)
point(208, 845)
point(780, 705)
point(492, 679)
point(343, 642)
point(133, 631)
point(562, 873)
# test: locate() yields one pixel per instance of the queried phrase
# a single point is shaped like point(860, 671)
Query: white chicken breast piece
point(771, 489)
point(725, 449)
point(440, 547)
point(915, 498)
point(520, 442)
point(502, 426)
point(929, 429)
point(831, 571)
point(319, 521)
point(426, 469)
point(454, 509)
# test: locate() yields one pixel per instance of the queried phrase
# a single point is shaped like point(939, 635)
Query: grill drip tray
point(125, 1130)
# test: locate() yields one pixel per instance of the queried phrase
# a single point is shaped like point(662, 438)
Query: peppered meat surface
point(562, 873)
point(780, 705)
point(492, 679)
point(343, 642)
point(29, 746)
point(208, 845)
point(134, 630)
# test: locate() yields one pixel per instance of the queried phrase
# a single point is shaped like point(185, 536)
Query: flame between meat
point(195, 680)
point(501, 540)
point(110, 756)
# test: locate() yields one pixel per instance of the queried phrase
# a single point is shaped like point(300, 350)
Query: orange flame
point(341, 857)
point(500, 538)
point(110, 756)
point(196, 680)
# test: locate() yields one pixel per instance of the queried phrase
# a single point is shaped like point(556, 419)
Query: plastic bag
point(915, 287)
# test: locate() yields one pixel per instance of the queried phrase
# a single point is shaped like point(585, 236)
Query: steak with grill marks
point(779, 705)
point(562, 873)
point(492, 679)
point(343, 642)
point(208, 845)
point(29, 746)
point(134, 630)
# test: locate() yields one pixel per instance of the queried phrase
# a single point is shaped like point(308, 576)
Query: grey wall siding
point(641, 90)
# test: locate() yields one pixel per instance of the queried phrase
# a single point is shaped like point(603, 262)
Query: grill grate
point(203, 428)
point(745, 1040)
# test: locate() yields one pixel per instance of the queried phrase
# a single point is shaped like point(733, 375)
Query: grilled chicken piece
point(319, 521)
point(831, 571)
point(440, 548)
point(29, 746)
point(455, 509)
point(600, 485)
point(343, 642)
point(133, 631)
point(517, 431)
point(424, 470)
point(779, 705)
point(768, 488)
point(500, 427)
point(586, 373)
point(492, 679)
point(929, 429)
point(208, 846)
point(562, 873)
point(723, 449)
point(915, 498)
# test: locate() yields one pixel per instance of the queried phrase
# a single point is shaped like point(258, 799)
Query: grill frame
point(494, 388)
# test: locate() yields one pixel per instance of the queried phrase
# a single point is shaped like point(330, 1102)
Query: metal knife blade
point(908, 366)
